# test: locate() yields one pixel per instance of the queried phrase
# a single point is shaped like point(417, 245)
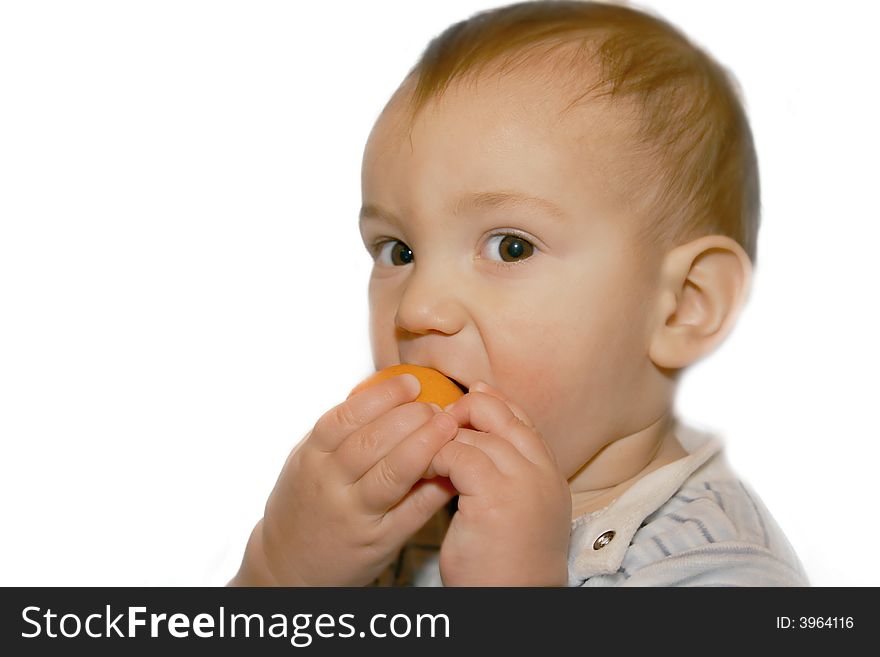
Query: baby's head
point(561, 200)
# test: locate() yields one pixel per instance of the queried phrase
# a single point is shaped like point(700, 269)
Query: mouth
point(461, 386)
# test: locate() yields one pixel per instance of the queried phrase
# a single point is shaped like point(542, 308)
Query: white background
point(183, 287)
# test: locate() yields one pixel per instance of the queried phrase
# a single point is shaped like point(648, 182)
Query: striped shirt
point(692, 522)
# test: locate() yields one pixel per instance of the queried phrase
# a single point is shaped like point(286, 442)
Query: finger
point(482, 386)
point(366, 446)
point(386, 482)
point(469, 468)
point(507, 458)
point(424, 500)
point(491, 415)
point(362, 408)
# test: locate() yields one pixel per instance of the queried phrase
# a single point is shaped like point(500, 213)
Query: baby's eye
point(512, 248)
point(399, 253)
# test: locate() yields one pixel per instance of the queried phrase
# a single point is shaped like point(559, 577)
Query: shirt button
point(603, 540)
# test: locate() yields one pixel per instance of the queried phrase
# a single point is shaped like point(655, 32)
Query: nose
point(430, 301)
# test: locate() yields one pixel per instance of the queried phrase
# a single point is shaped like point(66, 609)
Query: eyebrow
point(475, 200)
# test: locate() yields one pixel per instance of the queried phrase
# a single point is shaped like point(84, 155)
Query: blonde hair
point(689, 112)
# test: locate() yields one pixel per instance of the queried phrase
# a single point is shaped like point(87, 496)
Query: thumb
point(485, 388)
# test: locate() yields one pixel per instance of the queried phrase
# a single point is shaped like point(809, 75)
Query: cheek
point(568, 361)
point(382, 327)
point(526, 353)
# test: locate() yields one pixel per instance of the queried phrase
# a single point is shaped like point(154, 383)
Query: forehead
point(496, 132)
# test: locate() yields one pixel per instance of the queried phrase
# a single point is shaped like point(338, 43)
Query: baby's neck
point(622, 463)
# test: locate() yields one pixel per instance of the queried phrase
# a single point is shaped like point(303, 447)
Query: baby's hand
point(514, 508)
point(351, 493)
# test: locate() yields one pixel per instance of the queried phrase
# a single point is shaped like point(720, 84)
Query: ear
point(703, 286)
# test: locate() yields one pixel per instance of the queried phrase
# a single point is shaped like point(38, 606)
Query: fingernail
point(479, 385)
point(413, 385)
point(448, 406)
point(446, 422)
point(436, 406)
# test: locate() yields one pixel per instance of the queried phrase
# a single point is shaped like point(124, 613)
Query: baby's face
point(505, 250)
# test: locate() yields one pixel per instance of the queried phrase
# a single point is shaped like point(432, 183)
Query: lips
point(460, 385)
point(458, 382)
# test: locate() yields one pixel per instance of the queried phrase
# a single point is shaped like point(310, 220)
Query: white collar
point(624, 515)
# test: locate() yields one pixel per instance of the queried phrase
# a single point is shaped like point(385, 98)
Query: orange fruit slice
point(436, 387)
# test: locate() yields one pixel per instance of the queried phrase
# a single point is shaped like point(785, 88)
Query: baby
point(561, 201)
